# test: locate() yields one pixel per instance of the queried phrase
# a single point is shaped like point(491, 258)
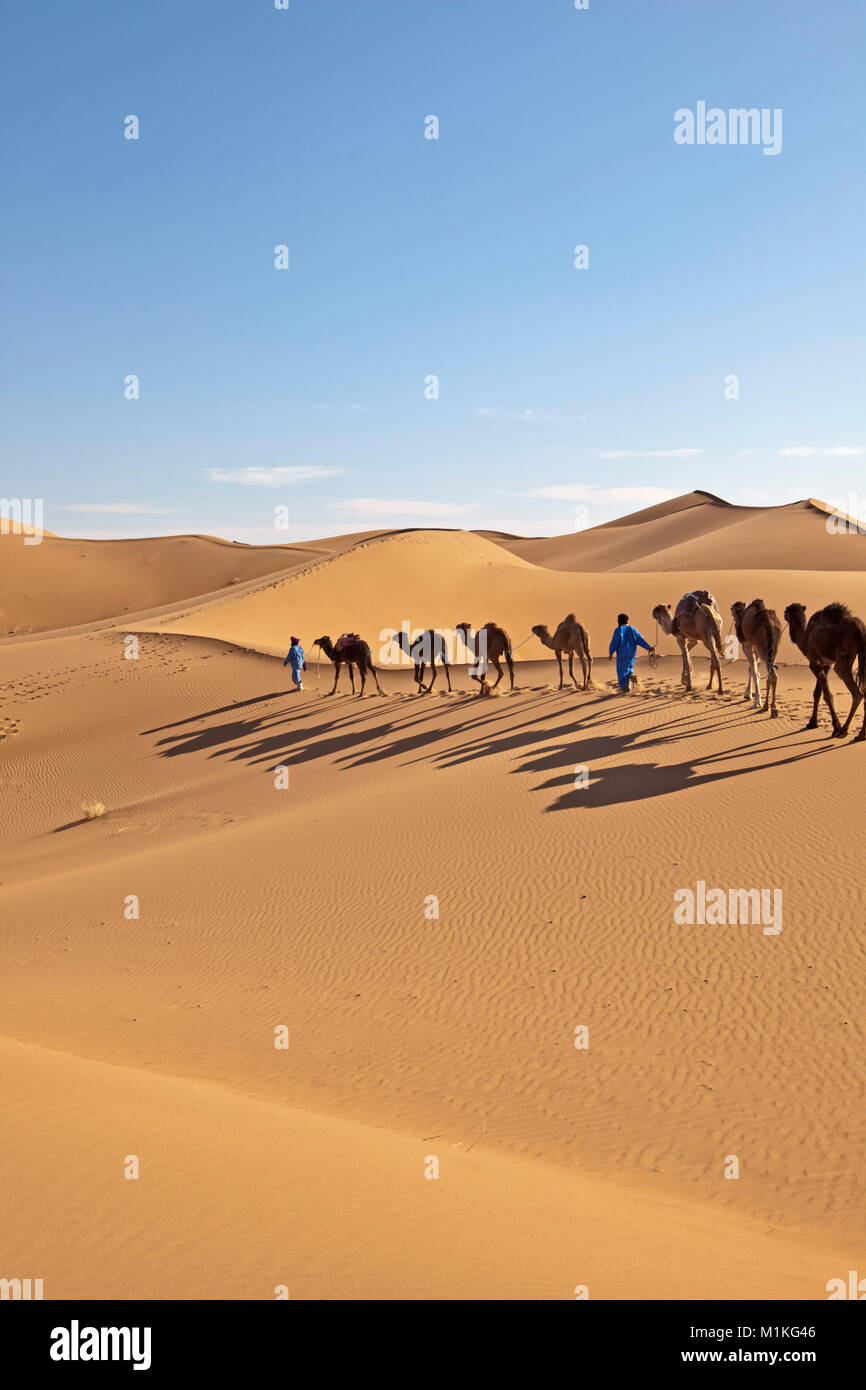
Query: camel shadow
point(552, 737)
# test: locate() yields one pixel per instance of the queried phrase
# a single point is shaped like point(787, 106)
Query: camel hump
point(836, 611)
point(758, 603)
point(570, 618)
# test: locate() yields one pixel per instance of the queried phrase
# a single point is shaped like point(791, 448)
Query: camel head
point(541, 631)
point(324, 643)
point(795, 617)
point(662, 615)
point(738, 609)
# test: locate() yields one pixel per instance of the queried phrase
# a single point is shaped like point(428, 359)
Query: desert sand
point(431, 907)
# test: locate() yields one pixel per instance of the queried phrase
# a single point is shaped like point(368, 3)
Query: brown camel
point(351, 650)
point(490, 643)
point(833, 637)
point(424, 647)
point(697, 619)
point(571, 636)
point(759, 632)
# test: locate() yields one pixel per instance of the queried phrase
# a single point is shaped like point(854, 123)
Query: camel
point(351, 650)
point(759, 632)
point(697, 619)
point(832, 637)
point(571, 636)
point(424, 647)
point(489, 644)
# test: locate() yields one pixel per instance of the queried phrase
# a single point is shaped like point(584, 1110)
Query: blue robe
point(295, 658)
point(625, 642)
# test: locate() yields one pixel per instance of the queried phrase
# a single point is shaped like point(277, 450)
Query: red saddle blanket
point(347, 639)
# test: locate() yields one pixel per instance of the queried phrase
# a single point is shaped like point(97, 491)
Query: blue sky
point(305, 388)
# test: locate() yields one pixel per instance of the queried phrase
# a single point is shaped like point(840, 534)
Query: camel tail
point(861, 657)
point(717, 631)
point(773, 648)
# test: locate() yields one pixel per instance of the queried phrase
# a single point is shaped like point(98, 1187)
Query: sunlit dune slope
point(699, 530)
point(440, 578)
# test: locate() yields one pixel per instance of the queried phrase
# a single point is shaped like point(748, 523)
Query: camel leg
point(351, 674)
point(754, 681)
point(748, 690)
point(587, 673)
point(447, 674)
point(432, 674)
point(687, 665)
point(363, 674)
point(770, 698)
point(419, 676)
point(825, 691)
point(510, 664)
point(816, 696)
point(371, 668)
point(571, 670)
point(559, 664)
point(844, 672)
point(715, 667)
point(336, 677)
point(494, 661)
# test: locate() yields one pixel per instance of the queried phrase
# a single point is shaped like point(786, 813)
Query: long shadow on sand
point(547, 732)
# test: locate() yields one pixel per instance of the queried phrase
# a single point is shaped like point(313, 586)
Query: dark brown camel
point(571, 636)
point(759, 632)
point(424, 647)
point(350, 651)
point(489, 644)
point(832, 637)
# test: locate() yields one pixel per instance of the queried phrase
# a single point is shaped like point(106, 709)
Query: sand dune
point(64, 583)
point(448, 577)
point(412, 1031)
point(699, 530)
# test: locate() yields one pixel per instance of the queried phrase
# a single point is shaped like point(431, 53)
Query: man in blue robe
point(625, 642)
point(295, 659)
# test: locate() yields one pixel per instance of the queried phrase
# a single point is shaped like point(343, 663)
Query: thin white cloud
point(577, 492)
point(547, 417)
point(389, 506)
point(119, 508)
point(270, 477)
point(839, 451)
point(650, 453)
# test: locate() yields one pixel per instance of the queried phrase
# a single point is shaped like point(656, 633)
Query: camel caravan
point(833, 638)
